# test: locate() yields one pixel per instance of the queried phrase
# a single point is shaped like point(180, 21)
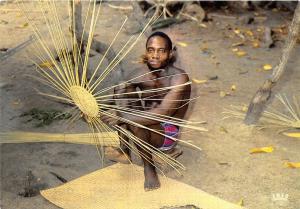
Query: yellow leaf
point(198, 81)
point(46, 64)
point(25, 25)
point(261, 150)
point(182, 44)
point(249, 32)
point(235, 49)
point(238, 44)
point(267, 67)
point(17, 102)
point(223, 94)
point(233, 87)
point(241, 202)
point(292, 134)
point(203, 25)
point(223, 129)
point(241, 53)
point(255, 44)
point(292, 164)
point(244, 108)
point(237, 31)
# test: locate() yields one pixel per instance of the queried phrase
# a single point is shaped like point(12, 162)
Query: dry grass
point(285, 118)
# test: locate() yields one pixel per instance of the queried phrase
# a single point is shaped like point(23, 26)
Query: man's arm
point(169, 104)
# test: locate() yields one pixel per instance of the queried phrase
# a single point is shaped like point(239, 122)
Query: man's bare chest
point(155, 87)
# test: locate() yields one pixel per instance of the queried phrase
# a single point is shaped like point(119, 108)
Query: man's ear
point(171, 54)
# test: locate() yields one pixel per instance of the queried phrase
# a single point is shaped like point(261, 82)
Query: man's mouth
point(151, 62)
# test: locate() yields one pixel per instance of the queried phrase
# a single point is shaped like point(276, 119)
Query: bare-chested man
point(158, 73)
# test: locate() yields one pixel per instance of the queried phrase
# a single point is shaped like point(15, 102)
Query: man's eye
point(150, 50)
point(162, 50)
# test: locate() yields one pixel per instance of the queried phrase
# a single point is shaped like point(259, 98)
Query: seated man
point(157, 73)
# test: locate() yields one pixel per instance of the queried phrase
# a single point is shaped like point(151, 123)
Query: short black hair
point(164, 36)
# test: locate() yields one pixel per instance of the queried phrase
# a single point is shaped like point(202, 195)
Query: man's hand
point(111, 118)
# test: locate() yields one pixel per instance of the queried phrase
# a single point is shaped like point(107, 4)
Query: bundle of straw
point(102, 138)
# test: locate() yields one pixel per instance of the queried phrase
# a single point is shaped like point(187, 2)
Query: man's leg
point(156, 140)
point(121, 154)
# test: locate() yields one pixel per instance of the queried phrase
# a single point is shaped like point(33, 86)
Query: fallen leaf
point(213, 77)
point(292, 134)
point(223, 94)
point(241, 53)
point(292, 164)
point(203, 25)
point(235, 49)
point(237, 31)
point(249, 33)
point(17, 102)
point(267, 67)
point(244, 108)
point(24, 25)
point(197, 81)
point(238, 44)
point(46, 64)
point(4, 22)
point(182, 44)
point(241, 202)
point(223, 129)
point(262, 150)
point(223, 163)
point(233, 87)
point(241, 71)
point(255, 44)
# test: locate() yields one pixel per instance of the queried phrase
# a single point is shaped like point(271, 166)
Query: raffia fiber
point(103, 138)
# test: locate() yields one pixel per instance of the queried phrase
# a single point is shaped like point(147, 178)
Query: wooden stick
point(263, 94)
point(16, 49)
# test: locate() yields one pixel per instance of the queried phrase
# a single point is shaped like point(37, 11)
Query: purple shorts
point(170, 130)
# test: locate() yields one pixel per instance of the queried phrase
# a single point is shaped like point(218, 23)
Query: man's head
point(158, 50)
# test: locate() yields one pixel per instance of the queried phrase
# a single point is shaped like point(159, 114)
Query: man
point(157, 73)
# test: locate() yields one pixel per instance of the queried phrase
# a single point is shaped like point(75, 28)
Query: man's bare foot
point(173, 153)
point(116, 155)
point(151, 178)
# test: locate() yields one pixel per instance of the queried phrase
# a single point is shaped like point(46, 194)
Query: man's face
point(157, 52)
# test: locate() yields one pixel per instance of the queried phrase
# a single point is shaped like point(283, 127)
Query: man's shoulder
point(179, 75)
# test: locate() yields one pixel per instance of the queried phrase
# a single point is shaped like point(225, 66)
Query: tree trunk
point(263, 94)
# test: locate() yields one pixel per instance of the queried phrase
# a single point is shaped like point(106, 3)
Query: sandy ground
point(224, 167)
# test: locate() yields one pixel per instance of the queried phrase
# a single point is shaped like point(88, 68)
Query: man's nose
point(155, 55)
